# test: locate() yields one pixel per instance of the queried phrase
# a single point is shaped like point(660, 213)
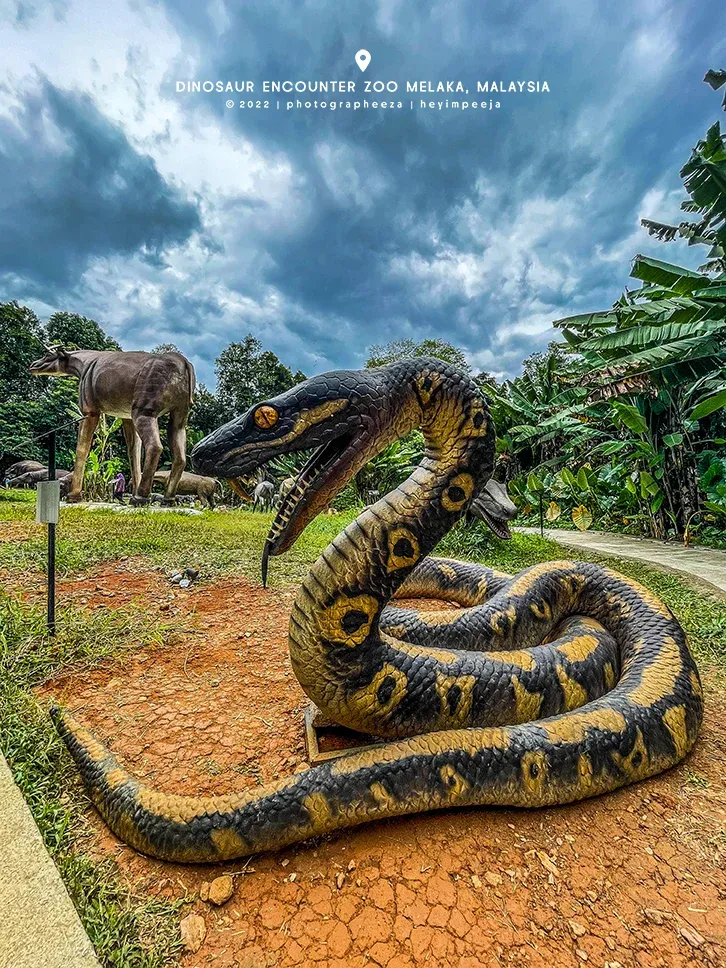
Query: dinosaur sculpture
point(31, 478)
point(137, 387)
point(564, 682)
point(283, 490)
point(21, 467)
point(194, 484)
point(495, 508)
point(263, 495)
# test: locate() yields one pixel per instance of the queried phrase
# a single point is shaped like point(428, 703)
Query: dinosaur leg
point(86, 429)
point(178, 447)
point(133, 446)
point(147, 427)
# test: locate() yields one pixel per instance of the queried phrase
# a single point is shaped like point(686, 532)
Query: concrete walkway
point(704, 564)
point(39, 927)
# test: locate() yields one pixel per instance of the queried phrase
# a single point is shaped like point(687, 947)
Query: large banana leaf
point(673, 277)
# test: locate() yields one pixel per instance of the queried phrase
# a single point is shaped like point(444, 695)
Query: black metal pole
point(541, 516)
point(51, 541)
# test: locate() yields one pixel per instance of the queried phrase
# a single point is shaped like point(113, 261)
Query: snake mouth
point(325, 472)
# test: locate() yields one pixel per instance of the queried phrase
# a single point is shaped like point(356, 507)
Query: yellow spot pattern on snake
point(382, 797)
point(413, 650)
point(525, 581)
point(228, 843)
point(696, 685)
point(609, 675)
point(574, 694)
point(443, 617)
point(635, 763)
point(116, 778)
point(541, 610)
point(534, 776)
point(457, 492)
point(403, 549)
point(455, 693)
point(384, 692)
point(527, 703)
point(579, 648)
point(648, 597)
point(675, 720)
point(455, 785)
point(468, 741)
point(506, 617)
point(515, 657)
point(574, 727)
point(318, 810)
point(659, 678)
point(348, 620)
point(584, 770)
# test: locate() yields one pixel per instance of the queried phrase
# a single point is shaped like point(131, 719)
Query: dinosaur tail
point(192, 377)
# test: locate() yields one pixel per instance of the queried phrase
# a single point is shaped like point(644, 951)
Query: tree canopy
point(401, 349)
point(246, 374)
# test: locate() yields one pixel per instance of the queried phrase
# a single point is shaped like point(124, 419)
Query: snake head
point(343, 417)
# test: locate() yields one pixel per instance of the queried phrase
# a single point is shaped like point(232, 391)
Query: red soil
point(632, 879)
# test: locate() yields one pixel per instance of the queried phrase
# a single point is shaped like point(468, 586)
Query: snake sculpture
point(564, 682)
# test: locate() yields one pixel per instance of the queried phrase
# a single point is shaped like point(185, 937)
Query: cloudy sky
point(171, 218)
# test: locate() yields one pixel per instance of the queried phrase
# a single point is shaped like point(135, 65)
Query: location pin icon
point(363, 59)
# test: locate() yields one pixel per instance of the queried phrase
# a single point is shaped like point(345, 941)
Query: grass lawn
point(130, 931)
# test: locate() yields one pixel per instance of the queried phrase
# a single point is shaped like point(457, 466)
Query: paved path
point(706, 564)
point(39, 927)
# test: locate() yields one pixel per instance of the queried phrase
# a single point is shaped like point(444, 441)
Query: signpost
point(47, 508)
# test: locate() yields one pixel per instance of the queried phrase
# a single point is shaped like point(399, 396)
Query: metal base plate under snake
point(320, 732)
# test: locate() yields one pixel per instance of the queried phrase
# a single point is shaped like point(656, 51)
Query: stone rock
point(221, 889)
point(193, 932)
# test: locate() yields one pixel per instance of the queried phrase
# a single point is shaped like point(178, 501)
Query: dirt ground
point(633, 879)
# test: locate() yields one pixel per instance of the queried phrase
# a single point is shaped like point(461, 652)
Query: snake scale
point(563, 682)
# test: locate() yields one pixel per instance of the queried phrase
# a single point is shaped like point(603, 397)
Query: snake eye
point(266, 417)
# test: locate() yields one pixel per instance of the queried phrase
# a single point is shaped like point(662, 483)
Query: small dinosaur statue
point(204, 488)
point(139, 388)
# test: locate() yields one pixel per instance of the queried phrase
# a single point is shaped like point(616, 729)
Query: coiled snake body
point(561, 683)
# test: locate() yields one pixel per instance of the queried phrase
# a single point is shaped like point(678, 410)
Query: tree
point(401, 349)
point(704, 178)
point(29, 405)
point(21, 342)
point(247, 374)
point(487, 381)
point(165, 348)
point(659, 355)
point(206, 415)
point(78, 332)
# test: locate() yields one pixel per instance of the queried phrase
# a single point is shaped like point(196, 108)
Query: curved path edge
point(706, 565)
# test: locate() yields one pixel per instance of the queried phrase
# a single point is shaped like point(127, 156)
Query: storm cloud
point(171, 217)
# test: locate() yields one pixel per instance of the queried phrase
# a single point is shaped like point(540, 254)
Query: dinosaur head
point(54, 363)
point(344, 418)
point(495, 508)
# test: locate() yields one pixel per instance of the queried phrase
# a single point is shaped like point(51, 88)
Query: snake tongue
point(265, 561)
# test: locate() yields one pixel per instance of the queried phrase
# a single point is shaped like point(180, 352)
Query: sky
point(170, 217)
